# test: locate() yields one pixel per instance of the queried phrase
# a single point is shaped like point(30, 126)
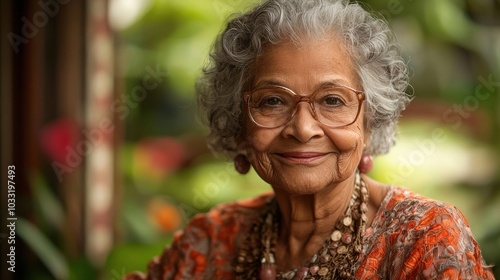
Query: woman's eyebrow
point(334, 82)
point(269, 83)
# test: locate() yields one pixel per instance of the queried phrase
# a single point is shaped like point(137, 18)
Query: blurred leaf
point(81, 269)
point(450, 21)
point(43, 248)
point(51, 209)
point(141, 228)
point(125, 259)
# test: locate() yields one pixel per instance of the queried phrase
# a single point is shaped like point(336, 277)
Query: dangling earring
point(241, 164)
point(365, 164)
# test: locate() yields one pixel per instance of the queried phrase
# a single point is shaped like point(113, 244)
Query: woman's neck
point(306, 221)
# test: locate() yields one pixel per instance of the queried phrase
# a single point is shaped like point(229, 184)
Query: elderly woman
point(305, 92)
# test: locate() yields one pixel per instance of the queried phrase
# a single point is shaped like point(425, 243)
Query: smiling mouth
point(302, 157)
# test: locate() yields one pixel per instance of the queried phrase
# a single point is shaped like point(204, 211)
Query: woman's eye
point(272, 101)
point(332, 101)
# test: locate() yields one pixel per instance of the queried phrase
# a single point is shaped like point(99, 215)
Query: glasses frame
point(304, 98)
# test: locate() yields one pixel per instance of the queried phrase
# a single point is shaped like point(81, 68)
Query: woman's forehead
point(312, 63)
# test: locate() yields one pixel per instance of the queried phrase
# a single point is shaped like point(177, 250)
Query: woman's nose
point(303, 125)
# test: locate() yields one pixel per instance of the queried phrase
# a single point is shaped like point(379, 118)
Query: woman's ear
point(241, 164)
point(365, 164)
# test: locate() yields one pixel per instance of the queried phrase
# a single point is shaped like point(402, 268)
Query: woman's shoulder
point(404, 203)
point(415, 233)
point(224, 221)
point(405, 210)
point(203, 248)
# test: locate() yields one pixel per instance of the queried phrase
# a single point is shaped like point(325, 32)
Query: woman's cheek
point(346, 139)
point(260, 139)
point(349, 142)
point(257, 144)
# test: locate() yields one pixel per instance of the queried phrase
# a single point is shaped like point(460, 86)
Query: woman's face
point(304, 156)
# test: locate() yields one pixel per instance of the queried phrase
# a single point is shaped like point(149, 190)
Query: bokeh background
point(98, 117)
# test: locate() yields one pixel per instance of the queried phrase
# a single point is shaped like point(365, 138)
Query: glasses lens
point(271, 107)
point(336, 106)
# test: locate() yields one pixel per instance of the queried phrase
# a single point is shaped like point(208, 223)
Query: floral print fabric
point(411, 237)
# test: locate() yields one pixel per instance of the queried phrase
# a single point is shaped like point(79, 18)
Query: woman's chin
point(302, 184)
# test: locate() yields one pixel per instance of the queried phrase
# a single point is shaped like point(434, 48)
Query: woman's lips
point(302, 157)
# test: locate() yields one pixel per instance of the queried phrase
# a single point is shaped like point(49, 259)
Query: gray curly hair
point(382, 71)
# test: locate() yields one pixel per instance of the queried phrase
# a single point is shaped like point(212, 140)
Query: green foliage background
point(452, 46)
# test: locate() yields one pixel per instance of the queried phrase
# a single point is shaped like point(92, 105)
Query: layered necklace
point(335, 260)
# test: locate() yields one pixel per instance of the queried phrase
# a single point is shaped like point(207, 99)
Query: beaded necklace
point(335, 259)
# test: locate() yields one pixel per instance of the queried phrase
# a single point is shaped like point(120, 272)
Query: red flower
point(57, 137)
point(158, 157)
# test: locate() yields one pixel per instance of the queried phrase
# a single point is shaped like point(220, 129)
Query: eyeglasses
point(333, 106)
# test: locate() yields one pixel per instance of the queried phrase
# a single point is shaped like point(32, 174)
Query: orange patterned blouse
point(411, 237)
